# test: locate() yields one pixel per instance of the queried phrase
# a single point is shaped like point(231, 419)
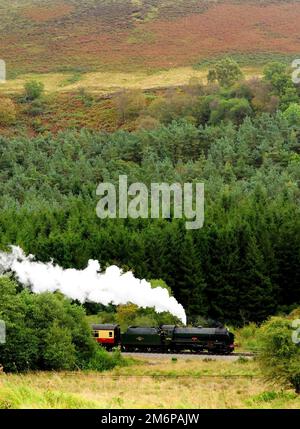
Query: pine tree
point(191, 281)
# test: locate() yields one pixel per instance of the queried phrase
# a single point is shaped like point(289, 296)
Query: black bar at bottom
point(134, 418)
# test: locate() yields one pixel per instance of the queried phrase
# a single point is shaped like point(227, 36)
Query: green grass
point(246, 338)
point(20, 395)
point(74, 78)
point(272, 399)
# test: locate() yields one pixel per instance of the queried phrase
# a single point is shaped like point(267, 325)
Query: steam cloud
point(89, 285)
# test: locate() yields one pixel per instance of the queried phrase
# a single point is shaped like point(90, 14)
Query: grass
point(246, 338)
point(103, 83)
point(151, 383)
point(70, 80)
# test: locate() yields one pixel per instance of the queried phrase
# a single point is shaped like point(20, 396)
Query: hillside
point(44, 36)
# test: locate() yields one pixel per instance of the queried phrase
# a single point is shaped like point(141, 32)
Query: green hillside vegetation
point(241, 140)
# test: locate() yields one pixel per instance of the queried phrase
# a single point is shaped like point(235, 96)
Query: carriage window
point(96, 334)
point(110, 334)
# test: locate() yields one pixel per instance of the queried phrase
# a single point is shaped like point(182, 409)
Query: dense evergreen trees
point(243, 265)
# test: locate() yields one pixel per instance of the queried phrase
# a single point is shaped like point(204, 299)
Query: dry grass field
point(160, 383)
point(108, 82)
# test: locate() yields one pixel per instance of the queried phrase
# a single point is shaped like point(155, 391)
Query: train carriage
point(107, 335)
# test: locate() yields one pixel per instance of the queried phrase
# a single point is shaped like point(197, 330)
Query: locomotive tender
point(165, 339)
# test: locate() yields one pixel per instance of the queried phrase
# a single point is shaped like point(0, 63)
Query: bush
point(246, 337)
point(44, 331)
point(226, 72)
point(174, 106)
point(147, 123)
point(36, 108)
point(48, 332)
point(33, 90)
point(129, 104)
point(85, 98)
point(38, 126)
point(59, 351)
point(279, 356)
point(7, 111)
point(103, 361)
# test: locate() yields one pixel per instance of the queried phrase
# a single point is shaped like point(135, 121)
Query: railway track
point(229, 357)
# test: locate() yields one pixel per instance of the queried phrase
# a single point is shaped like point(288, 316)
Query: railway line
point(189, 355)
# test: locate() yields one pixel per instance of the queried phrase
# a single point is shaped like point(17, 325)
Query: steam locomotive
point(165, 339)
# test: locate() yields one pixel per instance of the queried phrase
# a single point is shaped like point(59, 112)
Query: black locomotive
point(165, 339)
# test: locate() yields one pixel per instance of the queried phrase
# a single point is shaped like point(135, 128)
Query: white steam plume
point(89, 285)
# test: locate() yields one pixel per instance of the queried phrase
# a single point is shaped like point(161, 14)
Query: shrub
point(21, 349)
point(7, 111)
point(44, 331)
point(226, 72)
point(246, 337)
point(103, 361)
point(262, 97)
point(59, 351)
point(173, 106)
point(129, 104)
point(38, 126)
point(85, 98)
point(48, 332)
point(194, 87)
point(36, 108)
point(33, 90)
point(279, 356)
point(147, 123)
